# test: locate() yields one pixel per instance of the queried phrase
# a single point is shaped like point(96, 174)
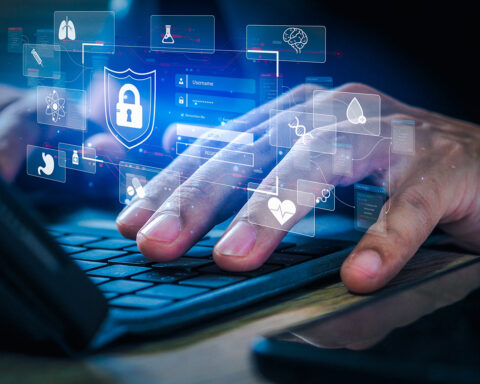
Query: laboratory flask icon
point(168, 38)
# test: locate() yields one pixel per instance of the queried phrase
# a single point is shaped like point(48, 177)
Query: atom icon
point(55, 106)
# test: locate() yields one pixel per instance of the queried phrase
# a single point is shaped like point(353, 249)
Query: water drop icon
point(355, 112)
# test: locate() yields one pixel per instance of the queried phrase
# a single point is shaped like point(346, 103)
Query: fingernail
point(366, 261)
point(164, 229)
point(238, 241)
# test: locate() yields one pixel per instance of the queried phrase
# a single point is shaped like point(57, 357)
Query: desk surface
point(216, 352)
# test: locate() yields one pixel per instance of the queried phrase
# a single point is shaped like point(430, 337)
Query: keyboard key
point(264, 269)
point(136, 259)
point(320, 247)
point(97, 254)
point(119, 271)
point(164, 276)
point(133, 248)
point(208, 242)
point(212, 281)
point(170, 291)
point(199, 252)
point(286, 259)
point(71, 249)
point(76, 239)
point(133, 301)
point(112, 244)
point(55, 233)
point(183, 263)
point(123, 286)
point(98, 280)
point(88, 265)
point(284, 245)
point(109, 295)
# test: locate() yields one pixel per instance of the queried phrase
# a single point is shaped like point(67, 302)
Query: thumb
point(378, 257)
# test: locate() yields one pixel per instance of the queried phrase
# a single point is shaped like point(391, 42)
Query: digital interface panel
point(181, 110)
point(369, 201)
point(41, 60)
point(183, 33)
point(403, 137)
point(301, 43)
point(84, 31)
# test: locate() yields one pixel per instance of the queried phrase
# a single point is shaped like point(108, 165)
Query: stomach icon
point(49, 165)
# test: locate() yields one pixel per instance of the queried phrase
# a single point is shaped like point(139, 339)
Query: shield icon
point(130, 105)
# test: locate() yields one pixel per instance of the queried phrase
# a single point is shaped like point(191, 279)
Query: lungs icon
point(66, 30)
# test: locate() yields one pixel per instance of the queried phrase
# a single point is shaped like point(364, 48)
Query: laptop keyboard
point(129, 280)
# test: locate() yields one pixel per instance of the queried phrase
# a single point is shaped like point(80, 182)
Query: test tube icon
point(37, 57)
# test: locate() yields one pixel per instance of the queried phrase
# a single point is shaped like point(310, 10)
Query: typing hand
point(440, 184)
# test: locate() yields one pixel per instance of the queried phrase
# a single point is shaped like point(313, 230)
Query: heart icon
point(281, 210)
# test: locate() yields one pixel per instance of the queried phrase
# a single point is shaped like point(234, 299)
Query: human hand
point(440, 184)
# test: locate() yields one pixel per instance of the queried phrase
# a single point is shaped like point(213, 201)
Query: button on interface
point(87, 31)
point(183, 33)
point(43, 163)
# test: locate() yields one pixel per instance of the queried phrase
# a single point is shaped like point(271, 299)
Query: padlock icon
point(181, 101)
point(129, 115)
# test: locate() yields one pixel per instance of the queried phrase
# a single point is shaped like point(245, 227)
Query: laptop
point(70, 289)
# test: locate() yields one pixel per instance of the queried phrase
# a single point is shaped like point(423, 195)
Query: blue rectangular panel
point(216, 83)
point(369, 201)
point(15, 39)
point(323, 81)
point(302, 43)
point(45, 36)
point(72, 157)
point(218, 154)
point(41, 60)
point(72, 29)
point(134, 177)
point(182, 33)
point(215, 103)
point(403, 137)
point(61, 107)
point(44, 163)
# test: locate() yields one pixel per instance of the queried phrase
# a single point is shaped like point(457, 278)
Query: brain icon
point(296, 38)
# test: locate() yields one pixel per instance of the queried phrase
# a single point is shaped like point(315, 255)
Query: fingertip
point(157, 239)
point(233, 252)
point(362, 271)
point(126, 231)
point(155, 251)
point(237, 264)
point(131, 219)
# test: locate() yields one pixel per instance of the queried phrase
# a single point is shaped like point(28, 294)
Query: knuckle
point(356, 87)
point(400, 116)
point(422, 205)
point(307, 88)
point(194, 193)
